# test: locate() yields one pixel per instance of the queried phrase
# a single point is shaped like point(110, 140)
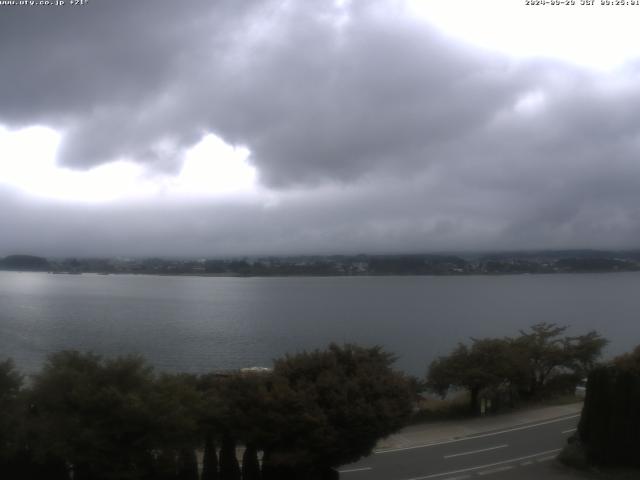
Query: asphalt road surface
point(518, 452)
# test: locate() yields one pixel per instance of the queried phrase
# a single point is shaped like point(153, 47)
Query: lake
point(197, 324)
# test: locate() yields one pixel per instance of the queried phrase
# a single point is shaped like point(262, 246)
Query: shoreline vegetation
point(501, 263)
point(87, 417)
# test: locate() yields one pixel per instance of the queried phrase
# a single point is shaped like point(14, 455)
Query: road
point(516, 452)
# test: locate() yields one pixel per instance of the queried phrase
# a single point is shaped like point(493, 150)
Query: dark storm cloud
point(383, 217)
point(316, 94)
point(105, 74)
point(375, 132)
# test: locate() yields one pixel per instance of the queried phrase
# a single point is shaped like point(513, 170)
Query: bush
point(573, 454)
point(609, 427)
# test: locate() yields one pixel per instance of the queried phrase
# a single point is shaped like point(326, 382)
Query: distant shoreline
point(340, 265)
point(364, 275)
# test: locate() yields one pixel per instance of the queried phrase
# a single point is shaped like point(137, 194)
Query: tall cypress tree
point(267, 470)
point(229, 468)
point(210, 460)
point(166, 465)
point(49, 468)
point(187, 464)
point(250, 464)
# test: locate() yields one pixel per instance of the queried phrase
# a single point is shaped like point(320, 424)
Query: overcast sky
point(229, 127)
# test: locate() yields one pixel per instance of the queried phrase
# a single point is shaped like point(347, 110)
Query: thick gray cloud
point(376, 132)
point(316, 94)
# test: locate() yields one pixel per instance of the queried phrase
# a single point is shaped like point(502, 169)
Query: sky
point(212, 128)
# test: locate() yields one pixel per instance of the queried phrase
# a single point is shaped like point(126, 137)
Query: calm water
point(197, 324)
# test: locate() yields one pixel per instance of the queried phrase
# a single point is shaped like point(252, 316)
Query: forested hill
point(565, 261)
point(24, 262)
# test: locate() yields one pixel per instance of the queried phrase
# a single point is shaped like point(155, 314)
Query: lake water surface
point(197, 324)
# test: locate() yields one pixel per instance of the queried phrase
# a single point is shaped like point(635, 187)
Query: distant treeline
point(84, 417)
point(578, 261)
point(24, 262)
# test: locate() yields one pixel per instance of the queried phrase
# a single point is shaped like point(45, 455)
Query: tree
point(187, 464)
point(523, 365)
point(229, 467)
point(222, 418)
point(549, 354)
point(239, 403)
point(486, 364)
point(175, 403)
point(94, 414)
point(164, 465)
point(545, 352)
point(609, 427)
point(328, 408)
point(10, 421)
point(583, 351)
point(209, 459)
point(24, 262)
point(250, 463)
point(629, 361)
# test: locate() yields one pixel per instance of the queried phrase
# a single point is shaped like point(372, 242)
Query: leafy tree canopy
point(10, 385)
point(331, 407)
point(94, 412)
point(629, 361)
point(525, 363)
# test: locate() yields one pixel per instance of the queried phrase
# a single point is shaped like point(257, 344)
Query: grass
point(456, 407)
point(434, 409)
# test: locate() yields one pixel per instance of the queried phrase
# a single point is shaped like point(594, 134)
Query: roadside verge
point(442, 431)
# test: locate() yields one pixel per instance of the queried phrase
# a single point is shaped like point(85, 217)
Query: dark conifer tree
point(250, 464)
point(187, 464)
point(229, 467)
point(210, 460)
point(167, 465)
point(609, 427)
point(50, 468)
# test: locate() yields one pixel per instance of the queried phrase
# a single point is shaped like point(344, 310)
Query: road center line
point(569, 431)
point(480, 467)
point(475, 451)
point(474, 437)
point(351, 470)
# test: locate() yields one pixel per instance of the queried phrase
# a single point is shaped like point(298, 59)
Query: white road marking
point(570, 430)
point(496, 470)
point(475, 451)
point(461, 477)
point(351, 470)
point(489, 465)
point(528, 462)
point(474, 437)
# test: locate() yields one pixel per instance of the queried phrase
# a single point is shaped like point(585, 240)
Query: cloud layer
point(369, 130)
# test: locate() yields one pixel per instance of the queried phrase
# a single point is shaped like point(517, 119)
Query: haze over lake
point(198, 324)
